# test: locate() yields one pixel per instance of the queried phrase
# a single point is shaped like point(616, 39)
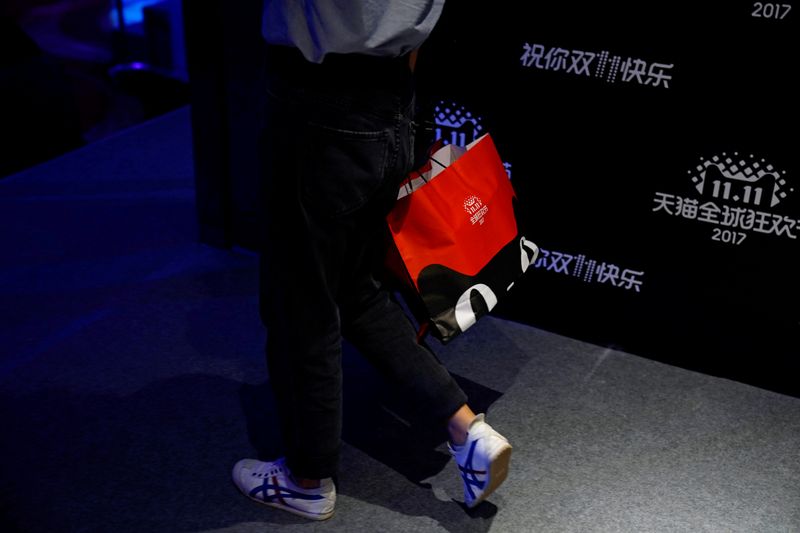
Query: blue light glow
point(132, 12)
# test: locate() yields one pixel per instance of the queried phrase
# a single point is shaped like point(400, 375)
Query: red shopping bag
point(456, 243)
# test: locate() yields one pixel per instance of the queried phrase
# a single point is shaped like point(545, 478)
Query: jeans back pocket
point(342, 169)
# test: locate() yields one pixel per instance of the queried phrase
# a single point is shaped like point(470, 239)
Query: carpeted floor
point(132, 378)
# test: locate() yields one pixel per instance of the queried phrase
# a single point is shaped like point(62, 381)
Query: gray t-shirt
point(372, 27)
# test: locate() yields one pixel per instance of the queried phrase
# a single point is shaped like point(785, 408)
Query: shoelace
point(277, 470)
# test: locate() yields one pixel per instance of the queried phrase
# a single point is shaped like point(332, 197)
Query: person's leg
point(298, 309)
point(330, 144)
point(458, 424)
point(301, 317)
point(371, 319)
point(380, 330)
point(378, 327)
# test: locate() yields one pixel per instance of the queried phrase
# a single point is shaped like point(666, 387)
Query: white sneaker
point(482, 460)
point(272, 484)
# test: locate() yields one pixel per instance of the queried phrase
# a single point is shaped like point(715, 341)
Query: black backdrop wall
point(649, 146)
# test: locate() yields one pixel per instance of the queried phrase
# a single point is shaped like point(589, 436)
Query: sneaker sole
point(298, 512)
point(498, 472)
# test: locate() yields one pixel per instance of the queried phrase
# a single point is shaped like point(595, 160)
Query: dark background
point(72, 74)
point(587, 156)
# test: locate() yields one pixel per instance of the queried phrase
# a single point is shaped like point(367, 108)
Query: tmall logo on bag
point(476, 209)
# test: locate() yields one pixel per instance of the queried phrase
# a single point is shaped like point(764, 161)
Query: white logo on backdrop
point(603, 65)
point(456, 125)
point(738, 195)
point(590, 270)
point(749, 171)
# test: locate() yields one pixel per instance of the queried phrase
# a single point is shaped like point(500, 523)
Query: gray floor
point(132, 378)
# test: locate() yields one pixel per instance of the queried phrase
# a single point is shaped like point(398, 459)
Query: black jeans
point(338, 140)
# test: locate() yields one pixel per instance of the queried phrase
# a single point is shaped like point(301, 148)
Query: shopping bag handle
point(407, 184)
point(434, 147)
point(437, 162)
